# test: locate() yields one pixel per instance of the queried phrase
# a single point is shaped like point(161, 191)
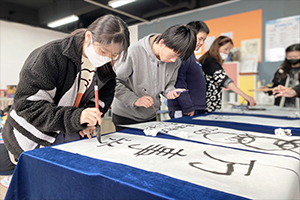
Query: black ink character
point(219, 117)
point(176, 127)
point(205, 130)
point(251, 141)
point(113, 141)
point(276, 144)
point(156, 150)
point(230, 166)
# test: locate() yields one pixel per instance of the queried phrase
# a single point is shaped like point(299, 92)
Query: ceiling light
point(118, 3)
point(62, 21)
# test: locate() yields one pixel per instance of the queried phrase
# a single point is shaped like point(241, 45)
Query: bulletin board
point(244, 26)
point(280, 34)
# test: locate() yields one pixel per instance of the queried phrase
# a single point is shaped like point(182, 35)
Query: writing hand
point(91, 116)
point(88, 132)
point(145, 101)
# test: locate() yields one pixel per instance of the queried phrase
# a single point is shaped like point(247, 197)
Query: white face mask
point(96, 59)
point(223, 55)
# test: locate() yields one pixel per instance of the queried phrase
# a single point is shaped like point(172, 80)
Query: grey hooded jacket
point(142, 70)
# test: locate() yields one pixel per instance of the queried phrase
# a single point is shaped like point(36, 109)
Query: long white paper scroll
point(247, 140)
point(245, 173)
point(270, 110)
point(252, 120)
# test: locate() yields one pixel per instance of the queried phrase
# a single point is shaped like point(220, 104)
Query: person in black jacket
point(55, 94)
point(190, 77)
point(288, 75)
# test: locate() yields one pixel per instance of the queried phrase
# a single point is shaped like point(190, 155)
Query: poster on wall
point(11, 89)
point(207, 44)
point(250, 47)
point(280, 34)
point(3, 93)
point(228, 34)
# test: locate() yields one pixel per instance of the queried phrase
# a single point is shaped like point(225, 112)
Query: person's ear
point(161, 43)
point(87, 37)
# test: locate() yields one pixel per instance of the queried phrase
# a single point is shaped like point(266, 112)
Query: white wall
point(17, 41)
point(133, 33)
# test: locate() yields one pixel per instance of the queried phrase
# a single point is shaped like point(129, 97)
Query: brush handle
point(98, 128)
point(265, 89)
point(152, 104)
point(182, 91)
point(96, 97)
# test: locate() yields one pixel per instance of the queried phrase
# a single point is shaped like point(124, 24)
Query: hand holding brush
point(152, 105)
point(98, 127)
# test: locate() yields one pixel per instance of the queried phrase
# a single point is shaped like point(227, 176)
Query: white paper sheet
point(243, 173)
point(270, 110)
point(247, 140)
point(208, 42)
point(250, 48)
point(249, 64)
point(252, 120)
point(228, 34)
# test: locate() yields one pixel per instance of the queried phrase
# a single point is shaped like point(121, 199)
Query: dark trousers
point(197, 112)
point(6, 166)
point(63, 138)
point(119, 121)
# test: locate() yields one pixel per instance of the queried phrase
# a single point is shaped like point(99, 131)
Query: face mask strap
point(91, 40)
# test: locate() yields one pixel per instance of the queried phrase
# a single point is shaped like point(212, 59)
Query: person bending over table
point(150, 70)
point(215, 76)
point(190, 76)
point(55, 94)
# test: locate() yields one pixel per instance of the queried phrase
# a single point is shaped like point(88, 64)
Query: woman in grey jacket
point(55, 93)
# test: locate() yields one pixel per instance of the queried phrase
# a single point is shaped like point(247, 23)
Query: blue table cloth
point(49, 173)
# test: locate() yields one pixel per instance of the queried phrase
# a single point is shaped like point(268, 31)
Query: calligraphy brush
point(98, 128)
point(265, 89)
point(152, 105)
